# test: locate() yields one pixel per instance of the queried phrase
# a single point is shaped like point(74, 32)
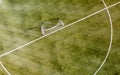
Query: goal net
point(50, 26)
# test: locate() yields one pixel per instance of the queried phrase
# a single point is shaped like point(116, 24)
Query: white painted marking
point(6, 53)
point(5, 68)
point(111, 38)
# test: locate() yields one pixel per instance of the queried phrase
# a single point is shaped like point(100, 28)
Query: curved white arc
point(111, 38)
point(5, 68)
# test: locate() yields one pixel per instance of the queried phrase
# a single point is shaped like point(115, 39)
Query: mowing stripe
point(5, 68)
point(6, 53)
point(111, 38)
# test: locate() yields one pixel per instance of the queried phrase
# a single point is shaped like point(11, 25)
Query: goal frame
point(44, 30)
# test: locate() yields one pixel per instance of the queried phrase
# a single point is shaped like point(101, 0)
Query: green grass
point(112, 65)
point(76, 50)
point(109, 2)
point(20, 15)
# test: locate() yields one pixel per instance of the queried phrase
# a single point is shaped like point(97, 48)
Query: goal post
point(51, 25)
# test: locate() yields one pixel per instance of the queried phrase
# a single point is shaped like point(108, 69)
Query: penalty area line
point(84, 18)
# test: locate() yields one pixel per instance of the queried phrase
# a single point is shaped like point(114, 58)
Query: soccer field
point(88, 44)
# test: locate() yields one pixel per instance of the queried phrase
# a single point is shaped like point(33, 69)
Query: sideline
point(111, 38)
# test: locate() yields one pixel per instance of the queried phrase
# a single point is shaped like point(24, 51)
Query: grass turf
point(77, 50)
point(20, 15)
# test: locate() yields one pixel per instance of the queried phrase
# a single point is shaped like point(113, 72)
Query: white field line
point(5, 68)
point(6, 53)
point(111, 38)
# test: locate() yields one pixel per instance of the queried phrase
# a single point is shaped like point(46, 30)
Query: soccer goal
point(51, 25)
